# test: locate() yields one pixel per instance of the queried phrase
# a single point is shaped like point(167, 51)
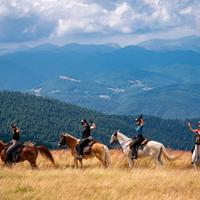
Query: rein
point(125, 143)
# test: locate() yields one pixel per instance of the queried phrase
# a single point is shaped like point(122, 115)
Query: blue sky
point(90, 21)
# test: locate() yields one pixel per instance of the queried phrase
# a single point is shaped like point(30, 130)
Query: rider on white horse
point(138, 139)
point(196, 131)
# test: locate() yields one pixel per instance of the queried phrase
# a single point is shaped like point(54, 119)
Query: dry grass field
point(175, 180)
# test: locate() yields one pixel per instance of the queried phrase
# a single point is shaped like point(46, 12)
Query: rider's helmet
point(83, 121)
point(137, 119)
point(13, 125)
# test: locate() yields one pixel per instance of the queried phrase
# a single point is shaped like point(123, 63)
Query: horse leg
point(101, 157)
point(130, 161)
point(106, 157)
point(76, 163)
point(34, 165)
point(81, 162)
point(128, 154)
point(157, 157)
point(159, 160)
point(30, 156)
point(32, 162)
point(99, 153)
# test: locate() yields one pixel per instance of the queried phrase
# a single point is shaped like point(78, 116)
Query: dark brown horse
point(29, 152)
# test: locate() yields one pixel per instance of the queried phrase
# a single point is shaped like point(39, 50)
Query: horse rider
point(14, 142)
point(138, 139)
point(86, 136)
point(196, 131)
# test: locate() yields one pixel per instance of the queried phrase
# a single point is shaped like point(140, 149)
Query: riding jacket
point(86, 132)
point(197, 136)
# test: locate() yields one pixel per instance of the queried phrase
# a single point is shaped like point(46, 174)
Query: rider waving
point(138, 139)
point(86, 136)
point(196, 131)
point(15, 140)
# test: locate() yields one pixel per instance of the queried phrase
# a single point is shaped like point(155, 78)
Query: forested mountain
point(41, 120)
point(109, 78)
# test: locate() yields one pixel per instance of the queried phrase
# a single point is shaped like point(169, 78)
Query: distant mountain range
point(186, 43)
point(135, 79)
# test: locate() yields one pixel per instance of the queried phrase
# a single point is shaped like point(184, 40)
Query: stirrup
point(78, 156)
point(133, 157)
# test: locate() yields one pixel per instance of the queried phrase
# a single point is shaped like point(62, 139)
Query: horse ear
point(115, 134)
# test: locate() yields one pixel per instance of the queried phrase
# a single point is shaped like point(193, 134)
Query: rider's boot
point(8, 163)
point(134, 153)
point(78, 154)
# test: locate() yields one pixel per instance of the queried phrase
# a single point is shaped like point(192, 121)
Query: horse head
point(113, 138)
point(62, 140)
point(67, 139)
point(2, 146)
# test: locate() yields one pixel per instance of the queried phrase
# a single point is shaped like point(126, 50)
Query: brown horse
point(29, 152)
point(100, 151)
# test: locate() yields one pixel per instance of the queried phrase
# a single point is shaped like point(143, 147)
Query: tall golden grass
point(175, 180)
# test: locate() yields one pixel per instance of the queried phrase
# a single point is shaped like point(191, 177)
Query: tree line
point(42, 120)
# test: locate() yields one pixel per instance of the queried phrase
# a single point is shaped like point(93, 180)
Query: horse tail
point(45, 153)
point(163, 151)
point(106, 156)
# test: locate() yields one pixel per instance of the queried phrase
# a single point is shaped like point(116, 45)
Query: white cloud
point(151, 2)
point(22, 20)
point(30, 29)
point(186, 11)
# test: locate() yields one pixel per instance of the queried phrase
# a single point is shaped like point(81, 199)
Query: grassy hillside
point(177, 180)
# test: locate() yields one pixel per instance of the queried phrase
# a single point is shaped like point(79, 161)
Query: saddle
point(141, 146)
point(87, 148)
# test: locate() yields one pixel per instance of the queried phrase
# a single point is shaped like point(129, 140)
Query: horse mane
point(2, 145)
point(67, 134)
point(122, 136)
point(29, 143)
point(1, 142)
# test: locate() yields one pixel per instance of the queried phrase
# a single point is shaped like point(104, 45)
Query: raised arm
point(93, 126)
point(14, 129)
point(190, 127)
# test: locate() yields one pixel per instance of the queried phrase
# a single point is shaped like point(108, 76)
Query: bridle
point(115, 134)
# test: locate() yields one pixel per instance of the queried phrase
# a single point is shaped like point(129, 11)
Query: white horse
point(196, 153)
point(152, 148)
